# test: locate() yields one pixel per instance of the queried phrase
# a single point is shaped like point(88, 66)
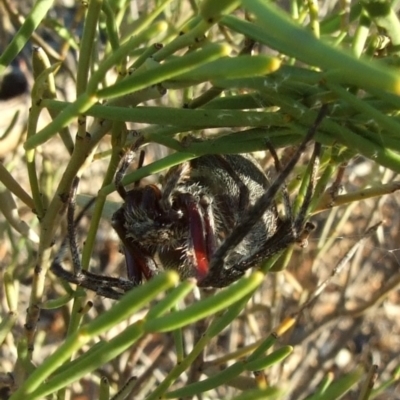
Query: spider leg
point(262, 204)
point(73, 244)
point(285, 193)
point(70, 239)
point(298, 228)
point(171, 180)
point(293, 228)
point(85, 279)
point(102, 285)
point(304, 208)
point(125, 163)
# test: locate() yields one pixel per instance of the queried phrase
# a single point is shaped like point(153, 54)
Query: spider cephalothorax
point(213, 218)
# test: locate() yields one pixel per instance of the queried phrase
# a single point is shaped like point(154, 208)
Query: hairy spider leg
point(294, 228)
point(301, 216)
point(71, 232)
point(102, 285)
point(297, 223)
point(278, 167)
point(70, 241)
point(262, 204)
point(126, 161)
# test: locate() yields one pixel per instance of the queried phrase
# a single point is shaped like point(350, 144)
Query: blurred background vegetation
point(80, 82)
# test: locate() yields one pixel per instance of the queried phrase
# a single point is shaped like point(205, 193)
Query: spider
point(213, 219)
